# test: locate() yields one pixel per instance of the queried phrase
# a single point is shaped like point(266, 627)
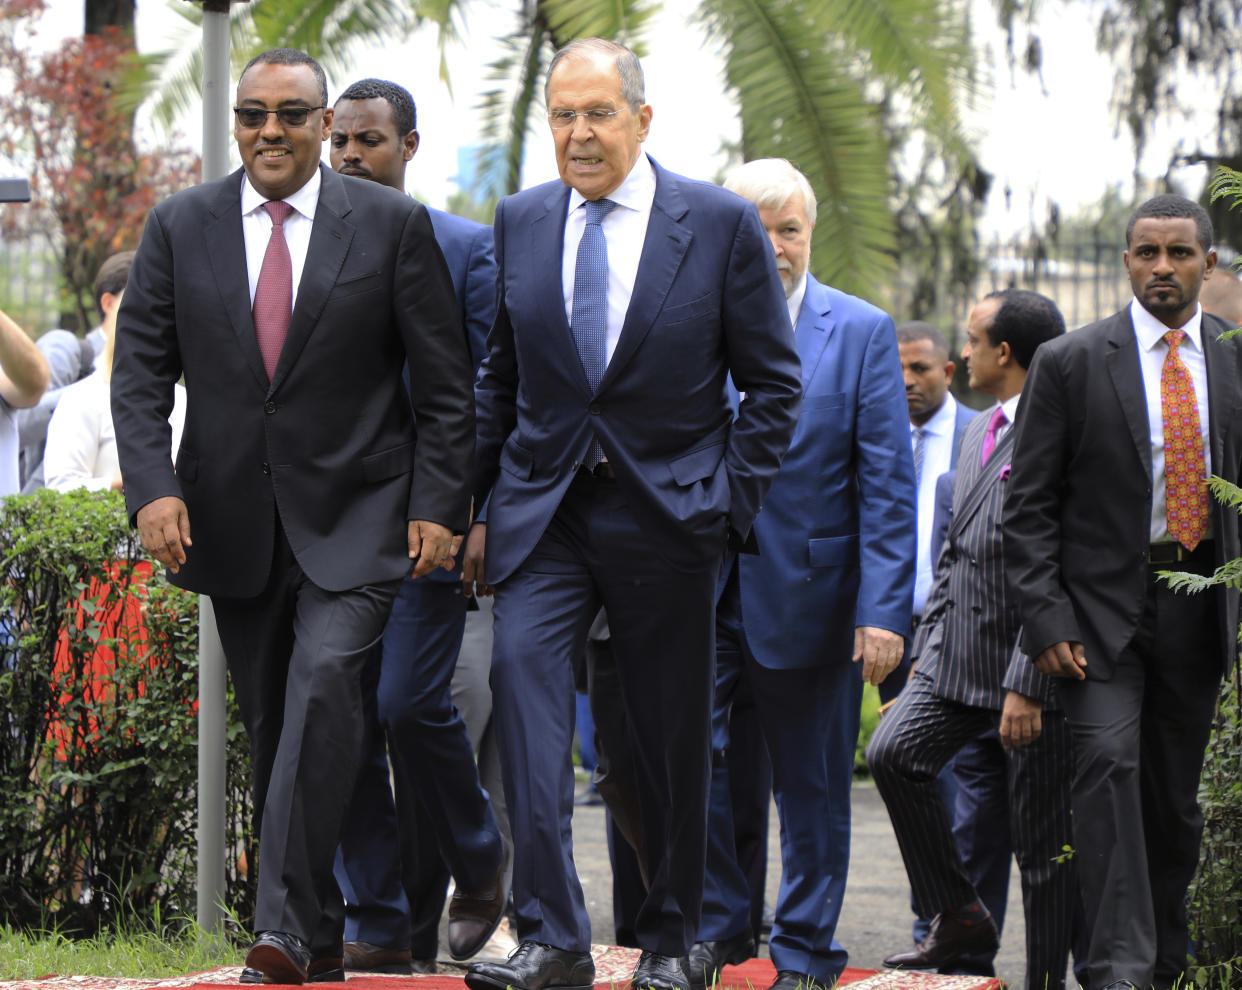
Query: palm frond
point(507, 107)
point(800, 100)
point(622, 21)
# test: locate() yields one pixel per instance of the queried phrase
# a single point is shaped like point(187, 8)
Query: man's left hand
point(431, 546)
point(879, 650)
point(1021, 720)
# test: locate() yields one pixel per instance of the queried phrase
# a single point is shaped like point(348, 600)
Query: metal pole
point(211, 704)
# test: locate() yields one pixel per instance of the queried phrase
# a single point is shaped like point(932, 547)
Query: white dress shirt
point(1152, 349)
point(937, 457)
point(81, 442)
point(625, 231)
point(1010, 406)
point(257, 228)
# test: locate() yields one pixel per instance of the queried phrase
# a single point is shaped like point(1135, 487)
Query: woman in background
point(81, 444)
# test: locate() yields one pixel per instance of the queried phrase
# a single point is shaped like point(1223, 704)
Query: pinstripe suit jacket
point(966, 641)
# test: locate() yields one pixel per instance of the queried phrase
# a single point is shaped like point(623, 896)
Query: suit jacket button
point(595, 409)
point(269, 407)
point(267, 468)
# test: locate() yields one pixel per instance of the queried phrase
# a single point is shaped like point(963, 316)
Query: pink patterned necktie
point(1185, 484)
point(273, 295)
point(998, 420)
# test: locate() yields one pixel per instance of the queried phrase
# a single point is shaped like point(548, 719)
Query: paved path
point(876, 917)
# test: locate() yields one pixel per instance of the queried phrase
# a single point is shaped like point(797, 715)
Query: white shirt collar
point(636, 192)
point(304, 200)
point(1010, 406)
point(795, 301)
point(943, 419)
point(1149, 331)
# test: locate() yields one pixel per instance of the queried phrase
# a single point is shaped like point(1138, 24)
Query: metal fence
point(30, 284)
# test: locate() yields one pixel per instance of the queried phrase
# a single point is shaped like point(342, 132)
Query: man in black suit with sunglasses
point(290, 298)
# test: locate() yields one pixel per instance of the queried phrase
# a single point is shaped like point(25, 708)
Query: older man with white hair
point(822, 609)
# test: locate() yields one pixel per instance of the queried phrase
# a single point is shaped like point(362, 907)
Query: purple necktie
point(998, 420)
point(273, 296)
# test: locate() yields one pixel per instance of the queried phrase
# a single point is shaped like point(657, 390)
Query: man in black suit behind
point(297, 469)
point(1107, 489)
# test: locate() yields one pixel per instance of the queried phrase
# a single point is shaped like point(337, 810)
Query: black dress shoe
point(473, 917)
point(535, 966)
point(324, 968)
point(277, 957)
point(1121, 985)
point(787, 979)
point(657, 972)
point(426, 967)
point(363, 957)
point(708, 959)
point(949, 938)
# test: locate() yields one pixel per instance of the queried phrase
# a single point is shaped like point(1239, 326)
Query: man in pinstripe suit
point(968, 677)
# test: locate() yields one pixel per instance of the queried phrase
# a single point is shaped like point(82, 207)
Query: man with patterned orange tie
point(1121, 424)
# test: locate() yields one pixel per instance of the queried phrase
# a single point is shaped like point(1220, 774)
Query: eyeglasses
point(594, 118)
point(254, 117)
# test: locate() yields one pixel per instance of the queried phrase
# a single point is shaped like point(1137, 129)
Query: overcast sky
point(1061, 145)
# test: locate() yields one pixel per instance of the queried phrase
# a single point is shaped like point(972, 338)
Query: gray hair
point(770, 183)
point(629, 69)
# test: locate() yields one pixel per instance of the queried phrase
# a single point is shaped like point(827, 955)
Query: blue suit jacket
point(837, 528)
point(467, 250)
point(707, 302)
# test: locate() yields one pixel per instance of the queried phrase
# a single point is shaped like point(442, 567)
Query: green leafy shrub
point(98, 742)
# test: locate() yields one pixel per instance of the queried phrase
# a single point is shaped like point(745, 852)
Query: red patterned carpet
point(613, 967)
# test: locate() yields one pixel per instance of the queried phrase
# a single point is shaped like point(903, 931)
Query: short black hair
point(916, 330)
point(113, 276)
point(290, 56)
point(1024, 320)
point(398, 98)
point(1167, 206)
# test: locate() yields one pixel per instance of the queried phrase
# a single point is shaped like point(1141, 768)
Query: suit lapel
point(981, 480)
point(226, 249)
point(330, 239)
point(544, 267)
point(663, 251)
point(1223, 387)
point(813, 329)
point(1122, 361)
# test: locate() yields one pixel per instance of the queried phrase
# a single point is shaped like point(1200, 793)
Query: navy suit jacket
point(836, 533)
point(707, 302)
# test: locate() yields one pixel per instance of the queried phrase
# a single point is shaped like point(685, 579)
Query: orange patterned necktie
point(1185, 493)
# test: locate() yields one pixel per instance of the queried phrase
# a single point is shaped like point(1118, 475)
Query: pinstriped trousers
point(912, 744)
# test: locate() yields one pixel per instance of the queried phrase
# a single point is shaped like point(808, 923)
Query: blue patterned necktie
point(920, 438)
point(589, 318)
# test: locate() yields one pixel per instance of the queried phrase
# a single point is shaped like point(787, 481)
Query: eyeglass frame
point(237, 112)
point(594, 117)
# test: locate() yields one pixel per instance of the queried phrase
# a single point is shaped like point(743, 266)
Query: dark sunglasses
point(254, 117)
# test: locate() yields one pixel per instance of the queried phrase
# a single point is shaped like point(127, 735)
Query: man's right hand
point(164, 528)
point(1063, 659)
point(472, 580)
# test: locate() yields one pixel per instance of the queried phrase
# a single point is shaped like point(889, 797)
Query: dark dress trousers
point(1077, 523)
point(647, 546)
point(965, 661)
point(396, 858)
point(298, 489)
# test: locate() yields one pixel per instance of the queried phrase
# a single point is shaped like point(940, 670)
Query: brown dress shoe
point(367, 958)
point(473, 917)
point(949, 938)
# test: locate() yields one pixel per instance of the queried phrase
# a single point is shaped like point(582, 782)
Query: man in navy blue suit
point(824, 606)
point(394, 861)
point(618, 475)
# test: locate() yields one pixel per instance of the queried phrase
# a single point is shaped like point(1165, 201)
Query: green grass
point(174, 951)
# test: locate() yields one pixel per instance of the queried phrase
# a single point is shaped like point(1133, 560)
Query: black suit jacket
point(328, 443)
point(1078, 516)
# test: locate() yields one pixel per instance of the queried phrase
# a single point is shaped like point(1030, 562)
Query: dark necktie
point(273, 295)
point(589, 317)
point(998, 420)
point(1185, 484)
